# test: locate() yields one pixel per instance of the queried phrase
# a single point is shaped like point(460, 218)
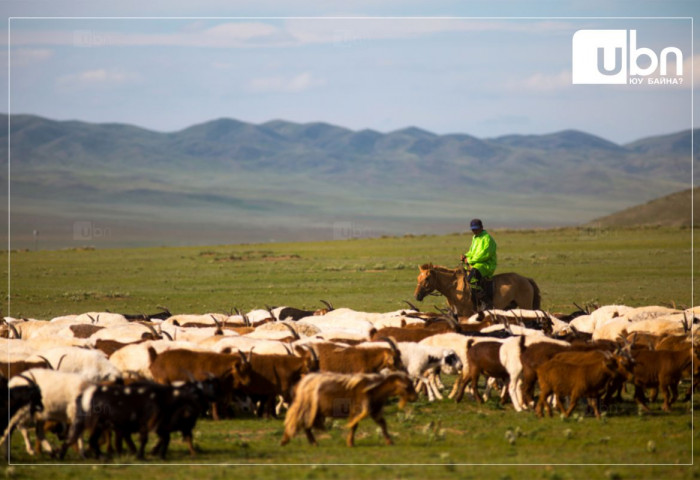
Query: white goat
point(59, 391)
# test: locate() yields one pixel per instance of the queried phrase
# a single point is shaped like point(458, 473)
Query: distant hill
point(671, 210)
point(231, 181)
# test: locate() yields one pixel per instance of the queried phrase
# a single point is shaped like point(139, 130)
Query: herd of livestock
point(108, 376)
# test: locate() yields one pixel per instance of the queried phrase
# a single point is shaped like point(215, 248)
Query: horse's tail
point(536, 298)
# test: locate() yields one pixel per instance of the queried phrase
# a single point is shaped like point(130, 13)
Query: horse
point(510, 290)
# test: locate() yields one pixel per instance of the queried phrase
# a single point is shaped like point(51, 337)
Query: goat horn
point(162, 332)
point(216, 322)
point(150, 327)
point(30, 381)
point(686, 325)
point(314, 355)
point(413, 307)
point(328, 304)
point(60, 361)
point(391, 342)
point(47, 361)
point(294, 332)
point(92, 319)
point(14, 331)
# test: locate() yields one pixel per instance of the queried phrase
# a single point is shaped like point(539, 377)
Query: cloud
point(297, 83)
point(287, 33)
point(21, 57)
point(98, 77)
point(541, 82)
point(691, 70)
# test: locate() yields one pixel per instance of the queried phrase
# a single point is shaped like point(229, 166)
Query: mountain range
point(229, 181)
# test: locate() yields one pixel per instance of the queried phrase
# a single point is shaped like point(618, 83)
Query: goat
point(423, 360)
point(354, 396)
point(15, 403)
point(233, 371)
point(272, 375)
point(368, 359)
point(59, 391)
point(661, 369)
point(483, 358)
point(139, 407)
point(576, 375)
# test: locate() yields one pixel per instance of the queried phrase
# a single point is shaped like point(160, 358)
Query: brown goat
point(321, 395)
point(332, 358)
point(273, 375)
point(483, 358)
point(662, 370)
point(576, 375)
point(233, 370)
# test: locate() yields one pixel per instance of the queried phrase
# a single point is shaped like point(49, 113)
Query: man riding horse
point(480, 262)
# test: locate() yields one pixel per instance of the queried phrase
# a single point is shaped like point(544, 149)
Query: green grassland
point(631, 266)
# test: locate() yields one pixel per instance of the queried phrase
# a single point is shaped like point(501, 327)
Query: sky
point(478, 68)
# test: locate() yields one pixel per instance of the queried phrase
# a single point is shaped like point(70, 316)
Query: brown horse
point(510, 290)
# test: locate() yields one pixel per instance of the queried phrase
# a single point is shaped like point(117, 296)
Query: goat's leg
point(42, 442)
point(572, 404)
point(143, 439)
point(640, 398)
point(381, 421)
point(27, 442)
point(187, 437)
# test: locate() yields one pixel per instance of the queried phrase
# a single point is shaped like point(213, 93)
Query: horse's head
point(426, 282)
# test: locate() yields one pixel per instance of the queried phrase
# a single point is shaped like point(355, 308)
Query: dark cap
point(476, 224)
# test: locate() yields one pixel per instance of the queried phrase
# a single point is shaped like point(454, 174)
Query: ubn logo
point(609, 57)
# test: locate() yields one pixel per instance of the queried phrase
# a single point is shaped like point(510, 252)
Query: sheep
point(355, 396)
point(59, 391)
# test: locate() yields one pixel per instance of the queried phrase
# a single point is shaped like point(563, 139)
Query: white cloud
point(290, 32)
point(98, 77)
point(21, 57)
point(297, 83)
point(691, 71)
point(541, 82)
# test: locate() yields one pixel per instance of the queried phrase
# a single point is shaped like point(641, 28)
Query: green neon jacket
point(482, 254)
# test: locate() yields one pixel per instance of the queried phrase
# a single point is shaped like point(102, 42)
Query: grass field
point(634, 266)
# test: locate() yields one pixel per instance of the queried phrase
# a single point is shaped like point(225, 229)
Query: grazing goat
point(321, 395)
